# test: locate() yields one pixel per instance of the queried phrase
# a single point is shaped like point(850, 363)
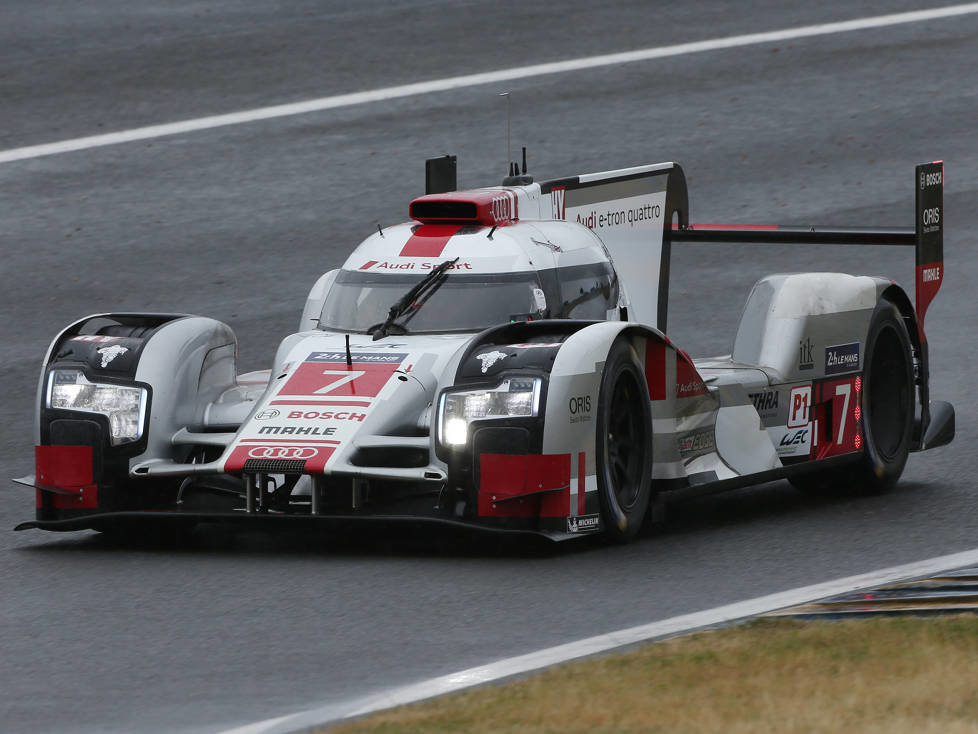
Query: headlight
point(514, 397)
point(123, 405)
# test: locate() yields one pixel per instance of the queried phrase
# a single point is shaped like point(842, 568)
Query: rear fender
point(793, 324)
point(791, 320)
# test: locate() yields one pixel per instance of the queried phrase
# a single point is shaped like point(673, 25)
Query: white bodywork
point(714, 431)
point(335, 397)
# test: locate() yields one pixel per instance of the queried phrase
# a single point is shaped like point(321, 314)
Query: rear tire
point(887, 405)
point(623, 445)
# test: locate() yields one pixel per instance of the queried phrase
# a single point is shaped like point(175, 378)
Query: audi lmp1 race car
point(501, 362)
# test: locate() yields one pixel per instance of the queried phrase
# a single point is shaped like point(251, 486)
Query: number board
point(838, 417)
point(327, 374)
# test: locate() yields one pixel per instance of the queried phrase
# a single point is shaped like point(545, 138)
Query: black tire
point(623, 445)
point(887, 404)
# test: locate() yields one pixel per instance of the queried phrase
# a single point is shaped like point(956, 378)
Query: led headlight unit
point(512, 398)
point(123, 405)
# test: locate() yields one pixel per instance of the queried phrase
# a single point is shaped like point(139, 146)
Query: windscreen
point(462, 302)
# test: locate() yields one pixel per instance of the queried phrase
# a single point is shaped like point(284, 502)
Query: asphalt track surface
point(236, 223)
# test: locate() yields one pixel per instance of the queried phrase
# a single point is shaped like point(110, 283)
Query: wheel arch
point(572, 356)
point(90, 324)
point(575, 380)
point(186, 361)
point(899, 298)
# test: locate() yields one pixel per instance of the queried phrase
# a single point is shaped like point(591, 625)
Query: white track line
point(521, 664)
point(471, 80)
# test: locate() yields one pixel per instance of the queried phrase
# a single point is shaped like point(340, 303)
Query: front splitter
point(270, 519)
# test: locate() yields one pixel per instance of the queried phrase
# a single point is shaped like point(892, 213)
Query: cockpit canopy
point(358, 300)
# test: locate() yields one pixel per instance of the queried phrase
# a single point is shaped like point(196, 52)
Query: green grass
point(889, 674)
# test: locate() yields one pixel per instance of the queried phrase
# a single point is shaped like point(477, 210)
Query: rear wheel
point(887, 411)
point(623, 444)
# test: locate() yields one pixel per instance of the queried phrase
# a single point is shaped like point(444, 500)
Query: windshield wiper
point(412, 300)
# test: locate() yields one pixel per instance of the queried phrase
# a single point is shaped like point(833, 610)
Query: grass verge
point(888, 674)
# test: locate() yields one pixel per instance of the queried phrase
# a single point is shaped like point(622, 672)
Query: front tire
point(623, 444)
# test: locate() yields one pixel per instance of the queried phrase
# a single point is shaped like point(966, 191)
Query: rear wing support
point(927, 236)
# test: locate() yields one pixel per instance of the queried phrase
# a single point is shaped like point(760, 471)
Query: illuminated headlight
point(512, 398)
point(123, 405)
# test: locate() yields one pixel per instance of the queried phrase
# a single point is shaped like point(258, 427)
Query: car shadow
point(681, 516)
point(221, 539)
point(762, 503)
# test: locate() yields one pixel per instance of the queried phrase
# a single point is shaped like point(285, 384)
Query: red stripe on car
point(299, 439)
point(688, 381)
point(745, 227)
point(655, 369)
point(324, 401)
point(315, 464)
point(929, 278)
point(524, 485)
point(429, 240)
point(68, 469)
point(580, 483)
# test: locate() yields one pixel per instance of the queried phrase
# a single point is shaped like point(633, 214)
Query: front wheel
point(623, 444)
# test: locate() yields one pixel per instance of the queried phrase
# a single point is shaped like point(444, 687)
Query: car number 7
point(342, 378)
point(845, 391)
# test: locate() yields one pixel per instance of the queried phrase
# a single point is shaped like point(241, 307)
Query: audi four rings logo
point(282, 452)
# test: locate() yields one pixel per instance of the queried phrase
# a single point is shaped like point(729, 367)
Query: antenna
point(513, 175)
point(509, 157)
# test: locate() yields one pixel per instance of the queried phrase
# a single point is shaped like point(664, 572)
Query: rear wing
point(640, 212)
point(926, 236)
point(927, 239)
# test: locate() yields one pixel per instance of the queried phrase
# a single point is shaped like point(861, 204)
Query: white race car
point(499, 361)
